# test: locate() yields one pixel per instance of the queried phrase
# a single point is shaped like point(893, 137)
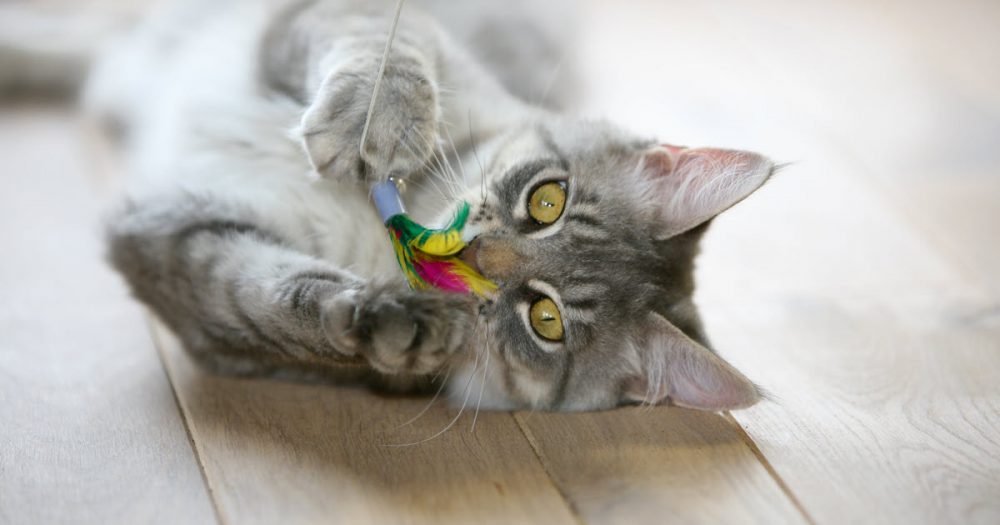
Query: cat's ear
point(688, 186)
point(677, 369)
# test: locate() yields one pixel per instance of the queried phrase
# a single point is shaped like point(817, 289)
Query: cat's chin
point(468, 387)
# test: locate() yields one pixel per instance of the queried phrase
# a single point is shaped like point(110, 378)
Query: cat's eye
point(546, 203)
point(546, 320)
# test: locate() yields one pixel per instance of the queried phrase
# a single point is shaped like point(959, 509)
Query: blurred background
point(861, 287)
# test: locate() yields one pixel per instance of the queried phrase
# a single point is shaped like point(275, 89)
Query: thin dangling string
point(427, 257)
point(380, 75)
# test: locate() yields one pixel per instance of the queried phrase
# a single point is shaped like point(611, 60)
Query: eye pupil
point(546, 203)
point(546, 320)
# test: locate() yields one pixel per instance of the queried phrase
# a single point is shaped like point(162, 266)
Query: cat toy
point(428, 257)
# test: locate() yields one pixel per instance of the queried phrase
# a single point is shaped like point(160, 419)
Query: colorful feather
point(428, 257)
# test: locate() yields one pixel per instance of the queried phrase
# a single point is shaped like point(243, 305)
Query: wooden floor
point(861, 287)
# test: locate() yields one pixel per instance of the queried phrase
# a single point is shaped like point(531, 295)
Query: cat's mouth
point(470, 255)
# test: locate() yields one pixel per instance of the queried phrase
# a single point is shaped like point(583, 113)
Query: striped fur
point(262, 270)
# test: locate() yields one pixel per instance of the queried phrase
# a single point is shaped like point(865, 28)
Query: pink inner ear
point(660, 161)
point(706, 382)
point(691, 186)
point(673, 150)
point(690, 375)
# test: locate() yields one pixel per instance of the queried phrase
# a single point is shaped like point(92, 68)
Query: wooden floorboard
point(886, 402)
point(656, 465)
point(879, 352)
point(89, 429)
point(293, 453)
point(910, 92)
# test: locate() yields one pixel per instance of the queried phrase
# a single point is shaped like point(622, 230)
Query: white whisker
point(458, 158)
point(444, 383)
point(482, 386)
point(467, 390)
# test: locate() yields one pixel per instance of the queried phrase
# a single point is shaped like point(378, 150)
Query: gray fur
point(251, 294)
point(604, 262)
point(247, 301)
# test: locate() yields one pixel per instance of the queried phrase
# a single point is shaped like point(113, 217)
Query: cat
point(248, 227)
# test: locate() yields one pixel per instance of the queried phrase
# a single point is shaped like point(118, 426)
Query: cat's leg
point(245, 301)
point(327, 58)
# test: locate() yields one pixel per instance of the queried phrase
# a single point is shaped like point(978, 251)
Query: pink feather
point(438, 274)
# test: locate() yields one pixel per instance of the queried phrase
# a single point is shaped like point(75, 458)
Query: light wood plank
point(912, 92)
point(293, 453)
point(886, 399)
point(641, 465)
point(90, 430)
point(880, 356)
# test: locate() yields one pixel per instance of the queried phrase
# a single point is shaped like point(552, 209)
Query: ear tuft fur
point(678, 370)
point(690, 186)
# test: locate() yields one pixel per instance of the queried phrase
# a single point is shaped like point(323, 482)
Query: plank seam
point(158, 344)
point(573, 511)
point(782, 485)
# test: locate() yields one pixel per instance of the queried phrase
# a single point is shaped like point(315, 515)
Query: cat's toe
point(390, 332)
point(446, 322)
point(332, 149)
point(339, 321)
point(398, 330)
point(329, 160)
point(402, 131)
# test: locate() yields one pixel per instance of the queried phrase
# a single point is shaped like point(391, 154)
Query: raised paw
point(399, 331)
point(402, 135)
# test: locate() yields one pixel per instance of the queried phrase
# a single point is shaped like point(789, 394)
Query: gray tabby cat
point(261, 269)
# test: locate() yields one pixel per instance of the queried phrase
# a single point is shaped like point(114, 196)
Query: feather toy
point(428, 257)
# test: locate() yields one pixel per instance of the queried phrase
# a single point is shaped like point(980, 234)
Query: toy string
point(380, 75)
point(427, 257)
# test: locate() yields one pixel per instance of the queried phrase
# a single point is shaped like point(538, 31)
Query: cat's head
point(591, 236)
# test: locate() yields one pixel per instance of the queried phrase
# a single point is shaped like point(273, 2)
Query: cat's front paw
point(402, 135)
point(400, 331)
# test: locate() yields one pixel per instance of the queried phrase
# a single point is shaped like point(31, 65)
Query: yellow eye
point(546, 202)
point(546, 319)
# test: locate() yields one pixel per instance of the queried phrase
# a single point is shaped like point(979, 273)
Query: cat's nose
point(494, 258)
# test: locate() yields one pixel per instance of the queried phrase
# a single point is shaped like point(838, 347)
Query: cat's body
point(262, 269)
